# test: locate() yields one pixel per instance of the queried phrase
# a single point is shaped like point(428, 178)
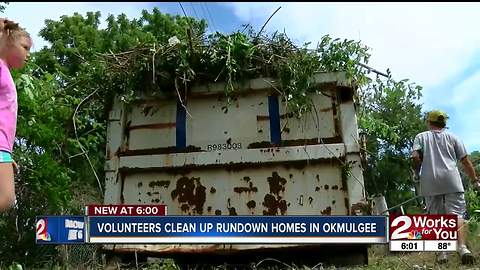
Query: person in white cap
point(435, 154)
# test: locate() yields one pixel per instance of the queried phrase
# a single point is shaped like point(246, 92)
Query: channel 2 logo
point(423, 227)
point(41, 230)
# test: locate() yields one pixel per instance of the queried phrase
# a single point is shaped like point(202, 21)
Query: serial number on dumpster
point(224, 146)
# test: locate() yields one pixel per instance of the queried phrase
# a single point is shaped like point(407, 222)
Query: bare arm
point(417, 162)
point(468, 166)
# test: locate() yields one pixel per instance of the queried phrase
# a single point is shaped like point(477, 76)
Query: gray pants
point(451, 203)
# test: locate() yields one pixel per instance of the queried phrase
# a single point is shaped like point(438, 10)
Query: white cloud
point(464, 100)
point(429, 43)
point(424, 42)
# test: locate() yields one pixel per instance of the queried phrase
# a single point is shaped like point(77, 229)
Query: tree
point(56, 177)
point(391, 116)
point(64, 102)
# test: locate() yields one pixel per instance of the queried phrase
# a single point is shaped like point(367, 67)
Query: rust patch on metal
point(298, 142)
point(251, 188)
point(122, 188)
point(344, 182)
point(218, 212)
point(200, 197)
point(213, 190)
point(160, 150)
point(347, 205)
point(153, 126)
point(276, 183)
point(327, 211)
point(297, 164)
point(325, 109)
point(263, 117)
point(270, 203)
point(345, 93)
point(263, 144)
point(273, 205)
point(231, 167)
point(313, 141)
point(164, 184)
point(326, 187)
point(232, 211)
point(335, 116)
point(192, 193)
point(251, 204)
point(185, 207)
point(282, 205)
point(267, 117)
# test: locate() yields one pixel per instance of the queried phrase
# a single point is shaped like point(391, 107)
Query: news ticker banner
point(149, 224)
point(212, 229)
point(237, 229)
point(423, 233)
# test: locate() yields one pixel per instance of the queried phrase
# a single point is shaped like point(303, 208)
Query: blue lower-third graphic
point(60, 230)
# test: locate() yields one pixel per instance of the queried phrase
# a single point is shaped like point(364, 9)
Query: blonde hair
point(14, 31)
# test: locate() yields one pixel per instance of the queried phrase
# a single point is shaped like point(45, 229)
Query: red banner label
point(126, 210)
point(423, 227)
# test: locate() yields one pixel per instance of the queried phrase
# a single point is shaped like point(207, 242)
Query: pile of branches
point(173, 68)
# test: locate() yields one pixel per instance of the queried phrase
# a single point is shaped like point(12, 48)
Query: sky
point(435, 45)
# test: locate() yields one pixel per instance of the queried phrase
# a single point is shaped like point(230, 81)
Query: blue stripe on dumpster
point(181, 130)
point(274, 113)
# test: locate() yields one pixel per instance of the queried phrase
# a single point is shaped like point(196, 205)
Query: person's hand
point(16, 168)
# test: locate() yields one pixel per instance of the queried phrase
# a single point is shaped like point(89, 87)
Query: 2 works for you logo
point(423, 227)
point(60, 230)
point(42, 231)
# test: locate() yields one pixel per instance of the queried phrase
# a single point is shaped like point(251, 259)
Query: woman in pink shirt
point(15, 44)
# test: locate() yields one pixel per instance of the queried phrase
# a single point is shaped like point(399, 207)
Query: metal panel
point(213, 122)
point(316, 189)
point(151, 125)
point(229, 166)
point(317, 124)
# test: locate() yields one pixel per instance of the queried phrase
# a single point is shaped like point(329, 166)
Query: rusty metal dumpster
point(202, 157)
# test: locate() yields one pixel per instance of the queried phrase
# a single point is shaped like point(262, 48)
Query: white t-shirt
point(439, 173)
